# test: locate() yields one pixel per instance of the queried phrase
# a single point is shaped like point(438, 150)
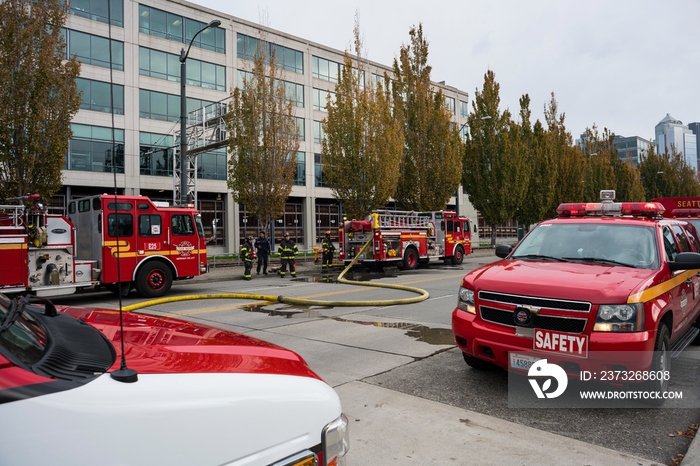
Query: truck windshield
point(610, 244)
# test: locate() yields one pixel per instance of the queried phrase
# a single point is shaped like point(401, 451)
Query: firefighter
point(287, 250)
point(328, 249)
point(247, 256)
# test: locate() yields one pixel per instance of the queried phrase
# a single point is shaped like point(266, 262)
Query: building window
point(159, 106)
point(93, 50)
point(463, 109)
point(97, 10)
point(300, 175)
point(166, 107)
point(293, 91)
point(156, 154)
point(96, 149)
point(378, 78)
point(327, 218)
point(287, 59)
point(318, 172)
point(174, 27)
point(166, 66)
point(450, 105)
point(321, 98)
point(213, 220)
point(301, 128)
point(318, 132)
point(212, 165)
point(326, 69)
point(96, 96)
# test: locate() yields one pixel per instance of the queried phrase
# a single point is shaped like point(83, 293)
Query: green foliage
point(605, 169)
point(496, 167)
point(667, 175)
point(540, 192)
point(363, 145)
point(432, 165)
point(263, 142)
point(38, 97)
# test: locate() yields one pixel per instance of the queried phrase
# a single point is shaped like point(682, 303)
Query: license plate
point(568, 344)
point(521, 361)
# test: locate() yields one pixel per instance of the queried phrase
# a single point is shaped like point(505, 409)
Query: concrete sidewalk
point(388, 427)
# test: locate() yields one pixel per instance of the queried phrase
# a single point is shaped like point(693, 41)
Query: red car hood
point(575, 281)
point(157, 345)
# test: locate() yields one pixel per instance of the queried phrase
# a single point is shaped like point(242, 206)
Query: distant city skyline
point(619, 65)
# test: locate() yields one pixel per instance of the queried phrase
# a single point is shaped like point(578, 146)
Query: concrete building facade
point(130, 113)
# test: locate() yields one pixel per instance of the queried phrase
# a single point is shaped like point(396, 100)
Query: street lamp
point(183, 113)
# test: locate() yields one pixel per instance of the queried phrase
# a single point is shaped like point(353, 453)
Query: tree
point(263, 141)
point(540, 192)
point(496, 173)
point(667, 175)
point(38, 97)
point(363, 145)
point(570, 164)
point(606, 170)
point(432, 165)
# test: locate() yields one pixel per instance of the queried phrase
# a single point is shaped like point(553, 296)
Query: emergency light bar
point(640, 209)
point(690, 212)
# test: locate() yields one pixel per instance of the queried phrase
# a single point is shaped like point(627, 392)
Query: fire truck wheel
point(476, 363)
point(458, 256)
point(154, 280)
point(410, 259)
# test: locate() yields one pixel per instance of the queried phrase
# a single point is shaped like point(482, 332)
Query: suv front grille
point(558, 304)
point(558, 324)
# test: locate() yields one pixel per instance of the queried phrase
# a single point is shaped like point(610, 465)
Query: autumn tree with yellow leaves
point(363, 144)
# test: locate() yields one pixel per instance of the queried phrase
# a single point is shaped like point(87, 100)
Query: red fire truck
point(406, 239)
point(104, 240)
point(684, 208)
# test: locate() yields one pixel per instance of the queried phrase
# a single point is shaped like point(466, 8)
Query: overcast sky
point(618, 64)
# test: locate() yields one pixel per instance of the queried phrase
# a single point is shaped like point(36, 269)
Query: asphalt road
point(409, 349)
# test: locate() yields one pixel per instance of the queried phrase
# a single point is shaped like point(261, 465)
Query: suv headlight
point(335, 440)
point(620, 318)
point(466, 300)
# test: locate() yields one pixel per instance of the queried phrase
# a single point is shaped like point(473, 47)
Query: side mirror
point(685, 261)
point(476, 228)
point(503, 250)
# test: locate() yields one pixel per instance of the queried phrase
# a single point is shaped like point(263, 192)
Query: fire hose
point(423, 295)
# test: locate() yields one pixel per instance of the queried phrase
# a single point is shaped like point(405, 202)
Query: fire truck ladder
point(13, 213)
point(392, 219)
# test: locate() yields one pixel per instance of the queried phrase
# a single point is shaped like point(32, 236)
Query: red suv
point(600, 277)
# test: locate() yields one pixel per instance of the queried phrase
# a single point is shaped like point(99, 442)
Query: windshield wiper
point(15, 311)
point(600, 261)
point(540, 257)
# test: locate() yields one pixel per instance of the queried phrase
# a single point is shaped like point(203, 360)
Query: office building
point(671, 133)
point(130, 112)
point(631, 149)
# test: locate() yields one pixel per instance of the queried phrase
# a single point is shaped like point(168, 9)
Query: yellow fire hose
point(300, 301)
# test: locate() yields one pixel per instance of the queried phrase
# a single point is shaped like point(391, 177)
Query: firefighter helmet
point(250, 238)
point(286, 233)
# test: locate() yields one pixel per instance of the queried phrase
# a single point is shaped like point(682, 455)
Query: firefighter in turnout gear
point(248, 257)
point(328, 249)
point(287, 250)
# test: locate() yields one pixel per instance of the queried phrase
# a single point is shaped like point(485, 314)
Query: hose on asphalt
point(423, 295)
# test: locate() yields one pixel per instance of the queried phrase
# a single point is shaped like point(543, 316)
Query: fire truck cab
point(682, 208)
point(406, 239)
point(104, 240)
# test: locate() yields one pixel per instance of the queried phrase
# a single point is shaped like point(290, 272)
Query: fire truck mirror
point(476, 228)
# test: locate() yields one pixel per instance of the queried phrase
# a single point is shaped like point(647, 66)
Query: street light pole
point(183, 113)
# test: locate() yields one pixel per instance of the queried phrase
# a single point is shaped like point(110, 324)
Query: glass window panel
point(158, 23)
point(221, 78)
point(79, 45)
point(173, 107)
point(98, 8)
point(81, 6)
point(101, 98)
point(159, 105)
point(144, 18)
point(174, 27)
point(144, 61)
point(117, 55)
point(100, 132)
point(194, 72)
point(173, 67)
point(159, 64)
point(208, 75)
point(80, 131)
